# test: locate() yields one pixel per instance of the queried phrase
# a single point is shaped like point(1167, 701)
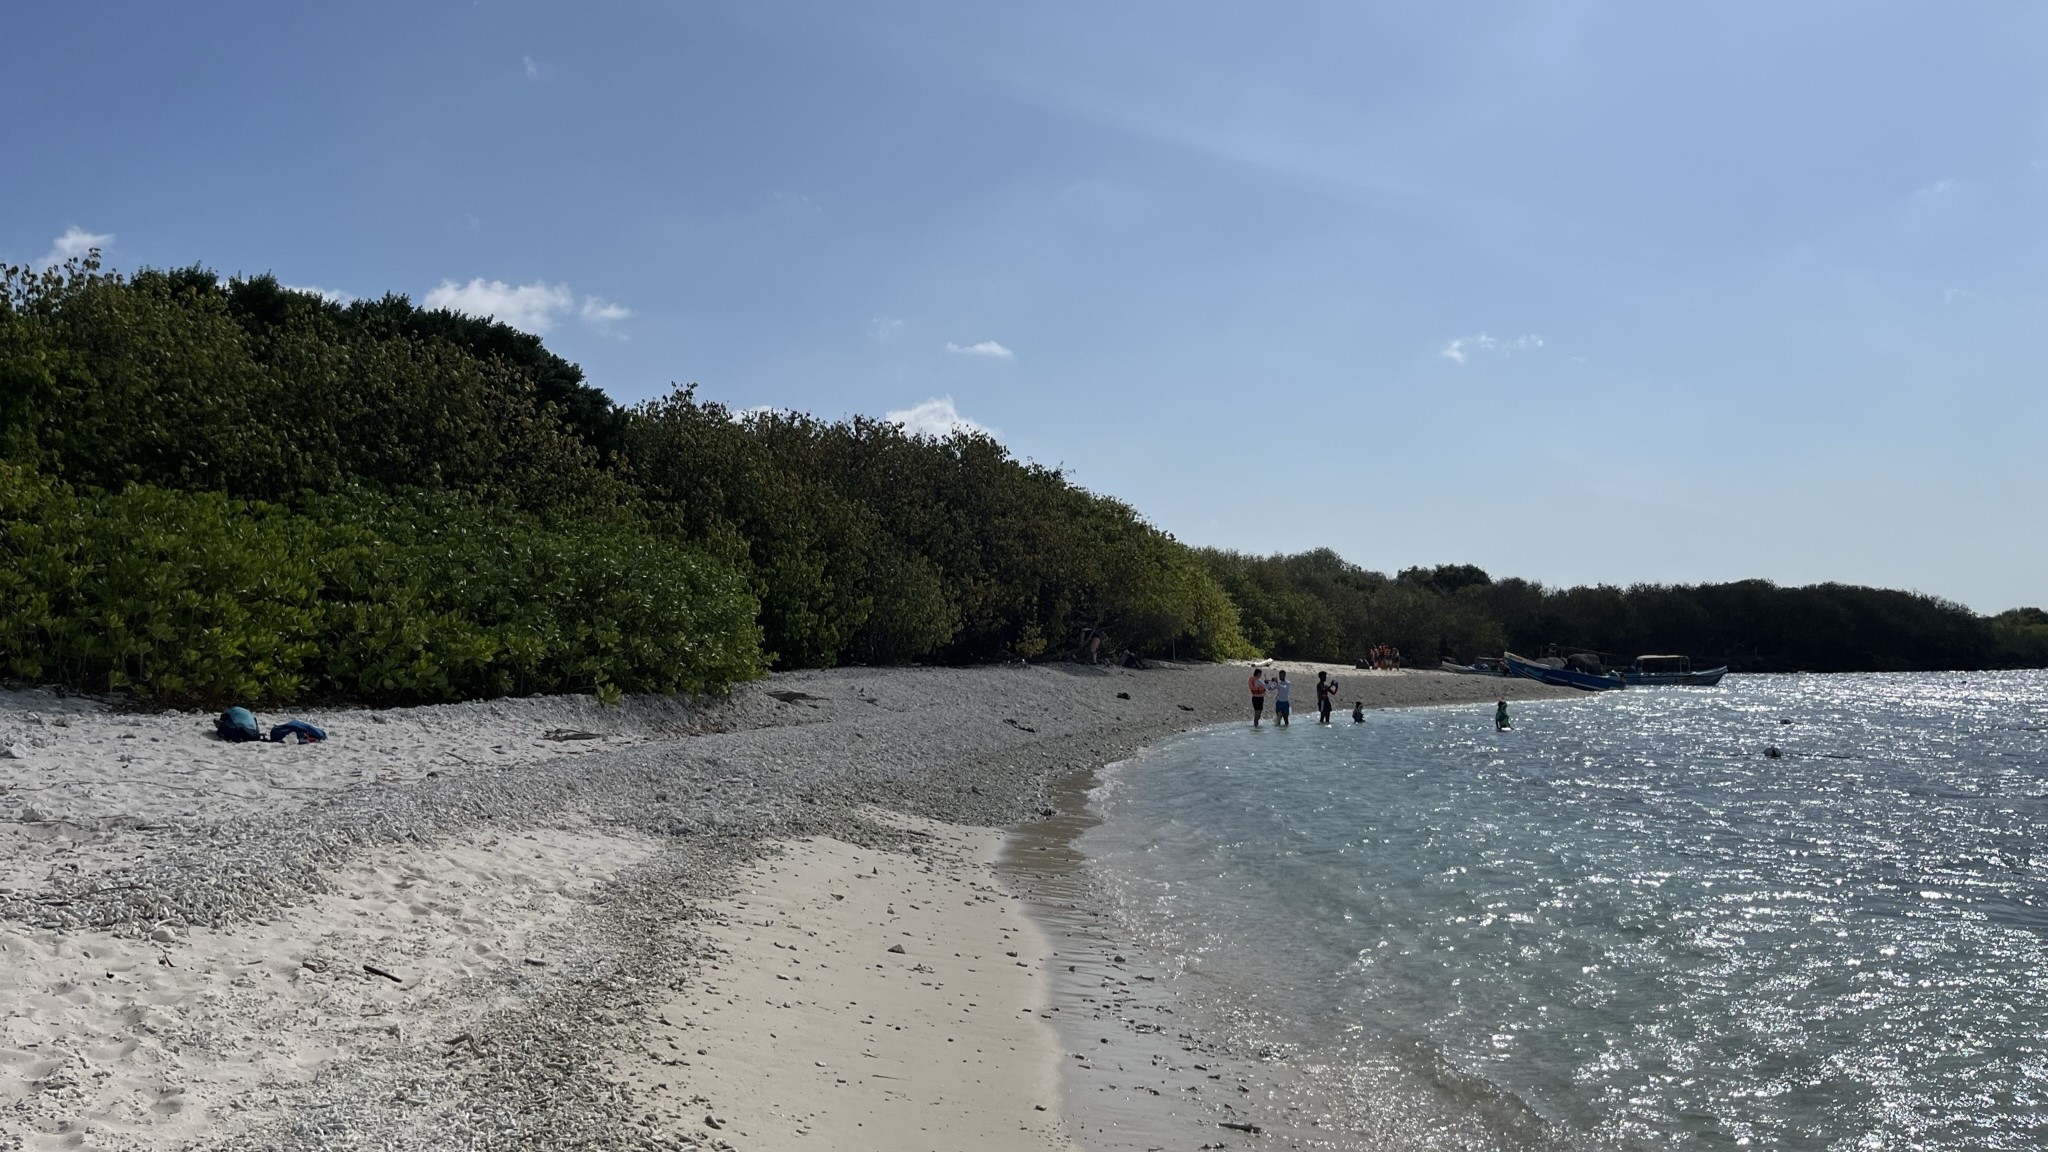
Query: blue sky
point(1586, 292)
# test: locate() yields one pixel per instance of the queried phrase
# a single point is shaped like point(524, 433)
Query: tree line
point(1316, 606)
point(223, 489)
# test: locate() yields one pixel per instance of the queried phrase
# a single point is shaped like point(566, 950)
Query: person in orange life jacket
point(1258, 687)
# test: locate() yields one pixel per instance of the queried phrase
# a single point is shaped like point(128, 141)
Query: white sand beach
point(545, 924)
point(863, 999)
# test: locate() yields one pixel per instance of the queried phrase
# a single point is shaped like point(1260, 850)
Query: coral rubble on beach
point(453, 928)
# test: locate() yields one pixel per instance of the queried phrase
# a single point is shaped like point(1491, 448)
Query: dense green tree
point(2022, 637)
point(870, 544)
point(227, 489)
point(1753, 625)
point(425, 597)
point(1448, 579)
point(179, 380)
point(1314, 605)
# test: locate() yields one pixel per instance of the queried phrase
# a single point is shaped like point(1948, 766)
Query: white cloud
point(935, 417)
point(1951, 295)
point(529, 307)
point(986, 348)
point(795, 200)
point(600, 311)
point(1940, 186)
point(601, 314)
point(884, 327)
point(76, 242)
point(534, 307)
point(331, 295)
point(534, 68)
point(1460, 349)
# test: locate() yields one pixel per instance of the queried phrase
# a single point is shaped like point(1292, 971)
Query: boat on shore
point(1563, 677)
point(1650, 671)
point(1483, 666)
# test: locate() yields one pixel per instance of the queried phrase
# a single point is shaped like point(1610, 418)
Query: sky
point(1581, 292)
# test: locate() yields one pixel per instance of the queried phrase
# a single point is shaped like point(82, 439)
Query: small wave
point(1504, 1113)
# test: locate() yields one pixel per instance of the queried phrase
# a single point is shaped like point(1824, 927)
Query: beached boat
point(1484, 666)
point(1563, 677)
point(1655, 670)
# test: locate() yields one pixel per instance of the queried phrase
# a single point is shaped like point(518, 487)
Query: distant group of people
point(1281, 691)
point(1383, 656)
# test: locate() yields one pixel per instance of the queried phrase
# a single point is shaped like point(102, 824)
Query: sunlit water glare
point(1621, 924)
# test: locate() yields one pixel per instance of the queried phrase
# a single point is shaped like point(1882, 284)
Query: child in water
point(1358, 711)
point(1500, 716)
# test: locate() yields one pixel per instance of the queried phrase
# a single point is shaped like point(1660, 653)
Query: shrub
point(197, 598)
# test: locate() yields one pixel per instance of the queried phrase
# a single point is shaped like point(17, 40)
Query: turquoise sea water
point(1620, 925)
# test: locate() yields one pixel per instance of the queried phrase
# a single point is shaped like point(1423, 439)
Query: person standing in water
point(1500, 716)
point(1326, 688)
point(1283, 706)
point(1358, 711)
point(1258, 686)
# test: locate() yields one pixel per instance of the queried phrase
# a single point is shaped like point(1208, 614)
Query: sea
point(1789, 912)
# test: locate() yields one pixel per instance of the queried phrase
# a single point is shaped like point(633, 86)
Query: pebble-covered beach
point(459, 927)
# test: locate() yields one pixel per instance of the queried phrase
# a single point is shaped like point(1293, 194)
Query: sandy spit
point(515, 924)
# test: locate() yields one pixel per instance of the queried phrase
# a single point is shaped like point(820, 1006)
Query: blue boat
point(1563, 677)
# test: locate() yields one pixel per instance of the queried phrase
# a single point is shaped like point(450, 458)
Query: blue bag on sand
point(307, 733)
point(236, 725)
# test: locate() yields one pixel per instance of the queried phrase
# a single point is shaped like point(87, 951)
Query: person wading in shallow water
point(1326, 690)
point(1500, 716)
point(1258, 686)
point(1283, 705)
